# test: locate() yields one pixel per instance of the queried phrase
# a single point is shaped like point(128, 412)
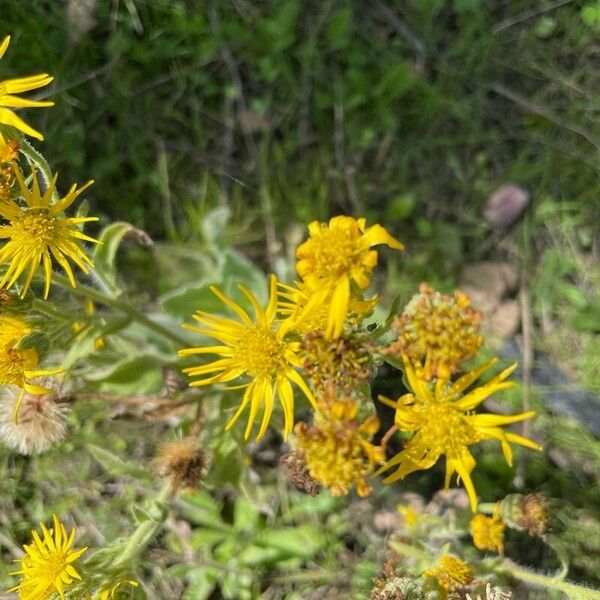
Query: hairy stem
point(130, 311)
point(572, 590)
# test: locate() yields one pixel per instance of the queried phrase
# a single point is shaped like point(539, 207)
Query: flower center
point(335, 252)
point(12, 366)
point(37, 228)
point(446, 428)
point(261, 352)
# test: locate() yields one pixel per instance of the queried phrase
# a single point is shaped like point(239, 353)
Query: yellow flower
point(256, 349)
point(438, 329)
point(337, 448)
point(488, 532)
point(336, 256)
point(8, 155)
point(39, 232)
point(47, 566)
point(411, 516)
point(442, 422)
point(12, 329)
point(8, 99)
point(18, 366)
point(308, 312)
point(451, 573)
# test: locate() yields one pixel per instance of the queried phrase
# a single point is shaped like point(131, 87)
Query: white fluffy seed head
point(41, 421)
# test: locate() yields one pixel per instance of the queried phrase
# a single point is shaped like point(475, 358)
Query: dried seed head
point(296, 470)
point(438, 330)
point(398, 588)
point(344, 363)
point(337, 446)
point(530, 513)
point(41, 421)
point(184, 462)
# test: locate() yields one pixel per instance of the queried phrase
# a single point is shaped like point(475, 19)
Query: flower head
point(438, 329)
point(337, 448)
point(336, 256)
point(442, 422)
point(530, 513)
point(451, 573)
point(40, 424)
point(8, 99)
point(488, 532)
point(308, 312)
point(9, 152)
point(344, 363)
point(184, 462)
point(17, 367)
point(47, 566)
point(40, 232)
point(257, 349)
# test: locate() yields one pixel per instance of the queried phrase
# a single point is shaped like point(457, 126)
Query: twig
point(527, 331)
point(536, 109)
point(409, 37)
point(528, 14)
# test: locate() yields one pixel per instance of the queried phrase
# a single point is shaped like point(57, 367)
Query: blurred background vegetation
point(410, 113)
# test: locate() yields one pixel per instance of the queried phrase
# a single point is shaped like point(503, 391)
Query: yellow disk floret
point(488, 532)
point(337, 447)
point(451, 573)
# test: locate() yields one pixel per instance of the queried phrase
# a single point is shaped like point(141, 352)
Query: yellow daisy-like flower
point(337, 448)
point(451, 573)
point(488, 532)
point(39, 232)
point(336, 256)
point(442, 422)
point(47, 566)
point(257, 349)
point(8, 99)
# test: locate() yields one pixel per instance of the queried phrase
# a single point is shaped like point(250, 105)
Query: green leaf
point(105, 253)
point(202, 582)
point(115, 465)
point(303, 541)
point(213, 228)
point(37, 340)
point(140, 375)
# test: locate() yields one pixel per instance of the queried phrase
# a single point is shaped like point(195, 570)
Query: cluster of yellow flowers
point(313, 330)
point(34, 233)
point(311, 335)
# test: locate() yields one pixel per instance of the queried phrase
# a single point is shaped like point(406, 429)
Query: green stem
point(39, 161)
point(130, 311)
point(572, 590)
point(146, 531)
point(410, 551)
point(487, 508)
